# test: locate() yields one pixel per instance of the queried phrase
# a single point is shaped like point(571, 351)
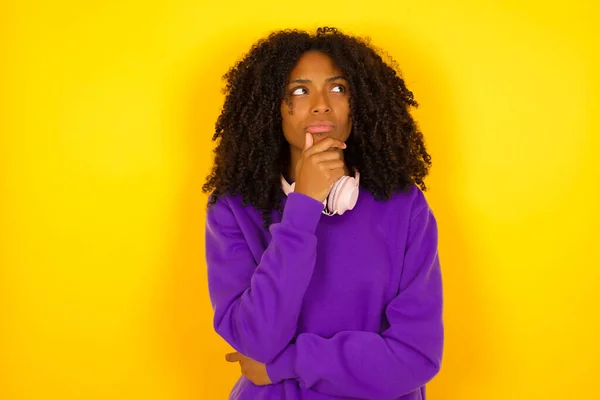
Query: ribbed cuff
point(302, 212)
point(282, 367)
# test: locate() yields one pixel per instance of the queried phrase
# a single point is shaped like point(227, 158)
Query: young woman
point(322, 251)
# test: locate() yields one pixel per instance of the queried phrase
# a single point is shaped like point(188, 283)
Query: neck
point(296, 154)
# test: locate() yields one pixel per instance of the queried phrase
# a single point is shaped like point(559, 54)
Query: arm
point(380, 366)
point(257, 306)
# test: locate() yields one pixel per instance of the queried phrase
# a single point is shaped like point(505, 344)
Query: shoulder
point(405, 204)
point(230, 212)
point(230, 203)
point(394, 216)
point(413, 199)
point(223, 210)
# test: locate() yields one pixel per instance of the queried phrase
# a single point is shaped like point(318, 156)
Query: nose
point(320, 103)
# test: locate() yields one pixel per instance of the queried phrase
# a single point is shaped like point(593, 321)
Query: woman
point(321, 248)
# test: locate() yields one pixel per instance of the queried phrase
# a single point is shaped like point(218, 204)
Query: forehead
point(314, 63)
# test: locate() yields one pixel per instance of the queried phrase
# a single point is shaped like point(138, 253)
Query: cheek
point(341, 106)
point(291, 121)
point(348, 130)
point(343, 111)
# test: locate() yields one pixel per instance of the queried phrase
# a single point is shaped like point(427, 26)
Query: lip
point(320, 127)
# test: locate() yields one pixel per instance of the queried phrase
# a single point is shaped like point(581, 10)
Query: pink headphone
point(342, 197)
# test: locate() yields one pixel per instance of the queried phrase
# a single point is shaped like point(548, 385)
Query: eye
point(299, 91)
point(339, 89)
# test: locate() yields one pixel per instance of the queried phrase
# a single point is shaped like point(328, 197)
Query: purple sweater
point(336, 307)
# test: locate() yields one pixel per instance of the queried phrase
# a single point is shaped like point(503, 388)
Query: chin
point(320, 136)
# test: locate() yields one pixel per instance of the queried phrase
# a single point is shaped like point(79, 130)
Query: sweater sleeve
point(384, 365)
point(256, 305)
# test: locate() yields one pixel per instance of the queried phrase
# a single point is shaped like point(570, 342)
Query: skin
point(255, 371)
point(317, 91)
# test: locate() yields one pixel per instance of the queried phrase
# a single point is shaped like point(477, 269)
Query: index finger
point(323, 145)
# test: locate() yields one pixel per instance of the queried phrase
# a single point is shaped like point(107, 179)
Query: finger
point(327, 155)
point(324, 145)
point(308, 141)
point(233, 357)
point(337, 173)
point(333, 164)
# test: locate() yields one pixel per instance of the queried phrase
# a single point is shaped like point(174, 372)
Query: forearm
point(257, 306)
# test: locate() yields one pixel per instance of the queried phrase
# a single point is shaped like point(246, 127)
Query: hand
point(255, 371)
point(319, 167)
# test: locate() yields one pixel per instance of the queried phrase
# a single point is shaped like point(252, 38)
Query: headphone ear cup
point(343, 195)
point(348, 198)
point(332, 197)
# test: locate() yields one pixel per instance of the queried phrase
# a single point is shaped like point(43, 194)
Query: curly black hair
point(385, 144)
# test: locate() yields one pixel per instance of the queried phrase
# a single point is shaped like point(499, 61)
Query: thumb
point(308, 141)
point(233, 357)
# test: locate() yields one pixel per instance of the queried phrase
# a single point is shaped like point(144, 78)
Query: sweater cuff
point(282, 367)
point(302, 212)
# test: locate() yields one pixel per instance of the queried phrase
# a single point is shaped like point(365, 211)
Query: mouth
point(320, 127)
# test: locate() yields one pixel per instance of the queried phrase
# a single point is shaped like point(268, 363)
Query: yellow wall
point(106, 112)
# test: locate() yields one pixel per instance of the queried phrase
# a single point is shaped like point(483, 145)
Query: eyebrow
point(306, 81)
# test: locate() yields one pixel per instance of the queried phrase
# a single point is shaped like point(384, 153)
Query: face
point(319, 98)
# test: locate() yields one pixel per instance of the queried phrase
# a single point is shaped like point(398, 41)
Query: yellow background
point(106, 114)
